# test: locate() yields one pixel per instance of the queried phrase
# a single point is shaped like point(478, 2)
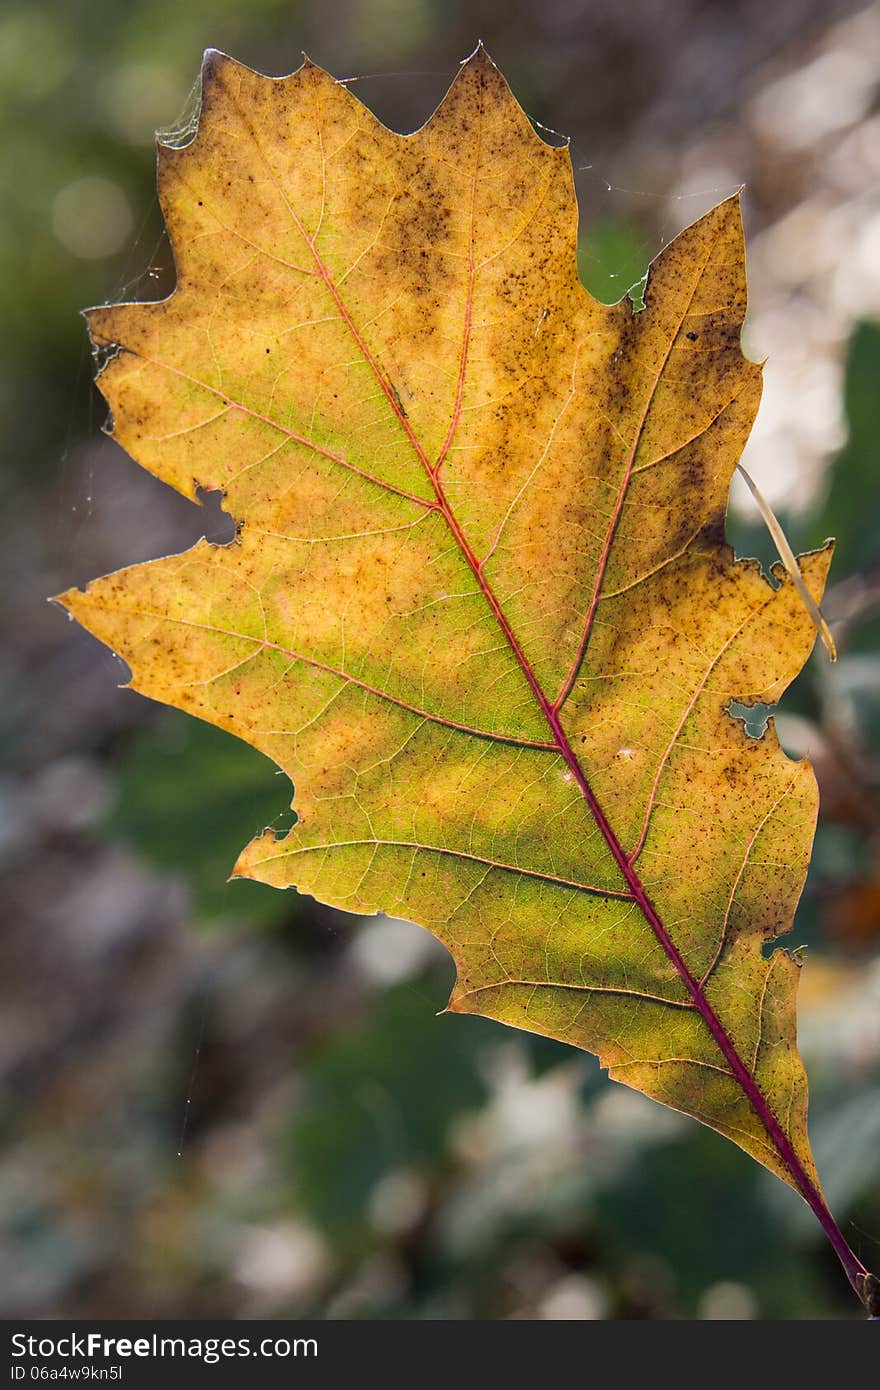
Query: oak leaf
point(480, 608)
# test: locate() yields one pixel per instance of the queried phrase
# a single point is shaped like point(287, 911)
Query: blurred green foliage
point(373, 1106)
point(850, 507)
point(189, 797)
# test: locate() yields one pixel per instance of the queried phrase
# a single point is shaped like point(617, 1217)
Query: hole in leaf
point(797, 952)
point(103, 353)
point(754, 717)
point(220, 527)
point(611, 262)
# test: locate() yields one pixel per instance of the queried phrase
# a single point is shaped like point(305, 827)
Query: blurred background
point(222, 1101)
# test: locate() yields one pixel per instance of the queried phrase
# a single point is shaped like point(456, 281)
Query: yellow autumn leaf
point(480, 608)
